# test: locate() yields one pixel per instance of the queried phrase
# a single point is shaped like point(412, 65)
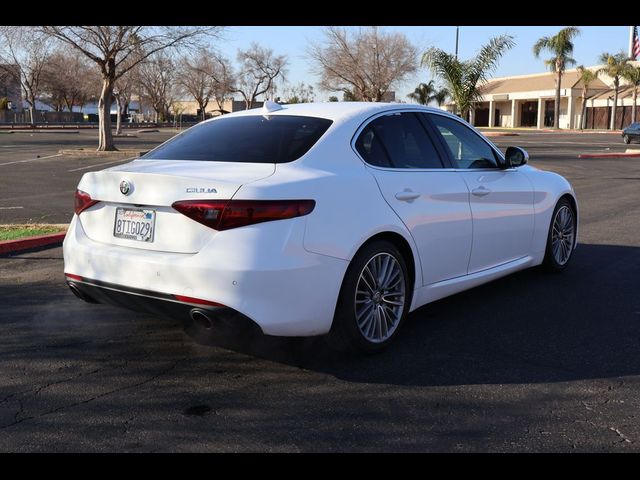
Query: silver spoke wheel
point(562, 235)
point(380, 297)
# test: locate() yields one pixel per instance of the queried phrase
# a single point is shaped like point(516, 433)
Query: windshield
point(251, 138)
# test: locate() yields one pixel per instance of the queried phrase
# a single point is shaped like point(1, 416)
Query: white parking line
point(10, 208)
point(99, 165)
point(31, 159)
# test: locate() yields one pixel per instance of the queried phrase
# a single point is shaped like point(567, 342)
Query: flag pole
point(630, 42)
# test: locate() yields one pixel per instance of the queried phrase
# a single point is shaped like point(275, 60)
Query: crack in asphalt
point(83, 402)
point(125, 425)
point(621, 435)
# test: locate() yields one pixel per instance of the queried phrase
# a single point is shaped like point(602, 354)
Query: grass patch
point(14, 232)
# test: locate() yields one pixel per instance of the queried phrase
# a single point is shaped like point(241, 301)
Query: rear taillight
point(226, 214)
point(82, 201)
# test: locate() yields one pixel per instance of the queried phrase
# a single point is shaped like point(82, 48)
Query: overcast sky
point(292, 41)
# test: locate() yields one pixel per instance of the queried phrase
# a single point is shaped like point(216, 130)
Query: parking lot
point(37, 183)
point(530, 363)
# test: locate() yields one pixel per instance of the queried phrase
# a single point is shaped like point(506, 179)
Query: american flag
point(635, 49)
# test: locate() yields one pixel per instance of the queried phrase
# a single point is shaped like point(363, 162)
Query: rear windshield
point(253, 139)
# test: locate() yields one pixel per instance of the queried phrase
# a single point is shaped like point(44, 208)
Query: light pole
point(457, 35)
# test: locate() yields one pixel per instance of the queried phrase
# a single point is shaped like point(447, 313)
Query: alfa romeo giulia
point(332, 219)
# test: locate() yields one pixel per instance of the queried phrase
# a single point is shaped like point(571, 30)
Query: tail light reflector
point(227, 214)
point(82, 201)
point(198, 301)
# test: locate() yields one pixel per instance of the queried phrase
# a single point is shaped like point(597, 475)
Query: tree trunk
point(556, 107)
point(583, 120)
point(32, 113)
point(635, 98)
point(105, 143)
point(612, 126)
point(119, 116)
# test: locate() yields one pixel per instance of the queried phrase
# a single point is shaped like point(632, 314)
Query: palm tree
point(423, 94)
point(614, 68)
point(586, 77)
point(632, 76)
point(441, 96)
point(561, 47)
point(463, 79)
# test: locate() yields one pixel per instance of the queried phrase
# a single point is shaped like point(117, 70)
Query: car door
point(501, 199)
point(431, 200)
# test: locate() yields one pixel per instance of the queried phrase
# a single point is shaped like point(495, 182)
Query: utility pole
point(457, 35)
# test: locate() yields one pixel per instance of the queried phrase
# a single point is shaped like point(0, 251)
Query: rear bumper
point(262, 272)
point(155, 303)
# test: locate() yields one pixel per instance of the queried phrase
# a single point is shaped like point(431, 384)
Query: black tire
point(626, 139)
point(550, 262)
point(345, 334)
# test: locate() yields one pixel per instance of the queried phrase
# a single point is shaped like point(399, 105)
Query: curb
point(95, 153)
point(499, 134)
point(43, 131)
point(10, 246)
point(609, 155)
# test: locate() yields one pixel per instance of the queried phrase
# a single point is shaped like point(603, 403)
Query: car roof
point(335, 111)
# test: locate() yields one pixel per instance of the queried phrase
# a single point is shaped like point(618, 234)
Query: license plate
point(134, 224)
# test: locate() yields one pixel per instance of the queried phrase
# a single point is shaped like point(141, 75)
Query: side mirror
point(516, 157)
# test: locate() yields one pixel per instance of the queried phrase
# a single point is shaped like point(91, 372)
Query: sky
point(292, 41)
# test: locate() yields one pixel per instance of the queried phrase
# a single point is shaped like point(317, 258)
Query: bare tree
point(122, 92)
point(299, 93)
point(112, 48)
point(223, 81)
point(196, 77)
point(259, 69)
point(28, 48)
point(364, 65)
point(68, 80)
point(157, 78)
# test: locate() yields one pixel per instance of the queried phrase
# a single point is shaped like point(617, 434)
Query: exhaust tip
point(201, 318)
point(76, 291)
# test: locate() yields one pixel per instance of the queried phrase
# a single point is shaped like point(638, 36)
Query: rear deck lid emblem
point(126, 187)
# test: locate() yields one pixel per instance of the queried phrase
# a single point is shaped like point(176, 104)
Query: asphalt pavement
point(37, 183)
point(533, 362)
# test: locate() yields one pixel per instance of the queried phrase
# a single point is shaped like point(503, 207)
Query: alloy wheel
point(563, 235)
point(380, 297)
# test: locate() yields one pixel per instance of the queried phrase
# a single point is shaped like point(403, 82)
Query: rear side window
point(397, 140)
point(252, 139)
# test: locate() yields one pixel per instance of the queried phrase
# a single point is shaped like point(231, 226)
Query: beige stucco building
point(528, 101)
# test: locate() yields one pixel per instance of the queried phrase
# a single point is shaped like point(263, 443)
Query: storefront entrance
point(529, 114)
point(548, 112)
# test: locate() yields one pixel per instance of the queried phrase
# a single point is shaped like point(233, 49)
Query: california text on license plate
point(134, 224)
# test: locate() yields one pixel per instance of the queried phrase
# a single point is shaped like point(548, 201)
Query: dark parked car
point(632, 132)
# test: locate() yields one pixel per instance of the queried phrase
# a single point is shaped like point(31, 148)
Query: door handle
point(407, 196)
point(481, 191)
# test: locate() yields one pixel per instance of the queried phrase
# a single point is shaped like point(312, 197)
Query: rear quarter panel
point(349, 206)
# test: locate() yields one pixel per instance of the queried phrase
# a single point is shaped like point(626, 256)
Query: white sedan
point(313, 219)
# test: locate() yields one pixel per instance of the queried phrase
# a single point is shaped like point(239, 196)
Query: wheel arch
point(401, 243)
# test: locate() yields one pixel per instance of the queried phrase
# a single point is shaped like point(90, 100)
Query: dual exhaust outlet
point(199, 316)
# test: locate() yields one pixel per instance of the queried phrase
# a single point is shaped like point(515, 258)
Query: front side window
point(468, 149)
point(397, 140)
point(251, 138)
